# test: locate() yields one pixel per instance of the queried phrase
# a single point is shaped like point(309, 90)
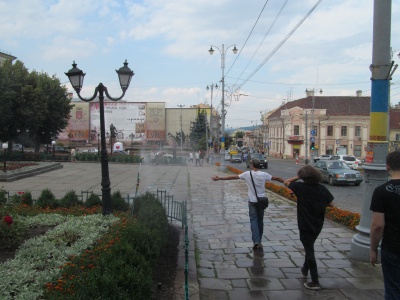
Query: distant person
point(297, 159)
point(256, 214)
point(201, 156)
point(312, 200)
point(152, 157)
point(190, 157)
point(385, 206)
point(197, 157)
point(73, 155)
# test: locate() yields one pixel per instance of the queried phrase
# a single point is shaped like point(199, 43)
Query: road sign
point(312, 139)
point(312, 132)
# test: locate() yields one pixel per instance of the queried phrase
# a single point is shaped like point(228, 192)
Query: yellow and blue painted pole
point(375, 173)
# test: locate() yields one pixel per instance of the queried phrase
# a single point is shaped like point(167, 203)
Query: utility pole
point(181, 106)
point(378, 142)
point(306, 158)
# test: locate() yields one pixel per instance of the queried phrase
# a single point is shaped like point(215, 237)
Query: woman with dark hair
point(312, 200)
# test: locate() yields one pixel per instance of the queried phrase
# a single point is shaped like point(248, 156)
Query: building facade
point(331, 123)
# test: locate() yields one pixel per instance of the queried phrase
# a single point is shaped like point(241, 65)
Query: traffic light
point(312, 147)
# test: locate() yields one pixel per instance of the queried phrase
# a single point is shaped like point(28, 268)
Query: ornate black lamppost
point(125, 75)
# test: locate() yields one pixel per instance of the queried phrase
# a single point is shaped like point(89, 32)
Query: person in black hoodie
point(312, 200)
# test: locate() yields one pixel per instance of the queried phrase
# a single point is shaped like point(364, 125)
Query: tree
point(33, 101)
point(198, 131)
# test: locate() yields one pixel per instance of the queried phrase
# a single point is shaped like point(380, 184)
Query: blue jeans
point(391, 275)
point(256, 223)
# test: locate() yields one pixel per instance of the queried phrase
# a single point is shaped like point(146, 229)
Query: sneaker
point(312, 286)
point(255, 246)
point(259, 246)
point(304, 271)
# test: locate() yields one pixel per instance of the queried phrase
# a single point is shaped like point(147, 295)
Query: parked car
point(92, 150)
point(338, 172)
point(16, 147)
point(323, 157)
point(350, 160)
point(227, 156)
point(119, 152)
point(263, 163)
point(236, 158)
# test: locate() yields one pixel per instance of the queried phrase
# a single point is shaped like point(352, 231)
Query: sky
point(284, 47)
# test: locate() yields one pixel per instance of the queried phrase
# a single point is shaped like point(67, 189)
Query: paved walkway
point(227, 267)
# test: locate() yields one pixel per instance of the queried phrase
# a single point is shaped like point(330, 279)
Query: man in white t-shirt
point(256, 214)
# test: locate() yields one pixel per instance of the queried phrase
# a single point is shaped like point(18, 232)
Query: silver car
point(338, 172)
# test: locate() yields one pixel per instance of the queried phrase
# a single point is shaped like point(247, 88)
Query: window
point(357, 131)
point(397, 137)
point(296, 130)
point(343, 131)
point(329, 130)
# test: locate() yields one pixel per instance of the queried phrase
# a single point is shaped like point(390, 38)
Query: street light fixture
point(125, 75)
point(5, 146)
point(223, 112)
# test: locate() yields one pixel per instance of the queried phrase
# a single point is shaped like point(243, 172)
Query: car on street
point(92, 150)
point(236, 158)
point(263, 163)
point(322, 157)
point(227, 156)
point(337, 172)
point(119, 152)
point(350, 160)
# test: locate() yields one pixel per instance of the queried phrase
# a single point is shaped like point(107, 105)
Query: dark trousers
point(308, 238)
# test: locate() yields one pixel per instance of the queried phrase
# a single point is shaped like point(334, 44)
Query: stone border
point(42, 167)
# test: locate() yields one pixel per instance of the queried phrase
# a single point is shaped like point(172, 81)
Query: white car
point(323, 157)
point(350, 160)
point(92, 150)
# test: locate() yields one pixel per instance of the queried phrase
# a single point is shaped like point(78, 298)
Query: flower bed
point(344, 217)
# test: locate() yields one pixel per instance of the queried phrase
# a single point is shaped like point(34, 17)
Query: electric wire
point(280, 44)
point(240, 51)
point(262, 41)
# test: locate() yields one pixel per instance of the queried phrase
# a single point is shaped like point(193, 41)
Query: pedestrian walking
point(385, 206)
point(201, 156)
point(197, 157)
point(256, 213)
point(73, 154)
point(297, 159)
point(152, 157)
point(190, 157)
point(312, 200)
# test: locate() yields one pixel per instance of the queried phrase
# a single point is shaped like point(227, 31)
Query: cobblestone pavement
point(227, 267)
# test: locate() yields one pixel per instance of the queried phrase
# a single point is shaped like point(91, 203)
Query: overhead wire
point(262, 41)
point(240, 51)
point(281, 43)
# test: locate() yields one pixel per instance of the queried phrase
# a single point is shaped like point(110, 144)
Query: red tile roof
point(334, 105)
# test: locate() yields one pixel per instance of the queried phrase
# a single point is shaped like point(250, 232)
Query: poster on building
point(155, 121)
point(78, 124)
point(128, 118)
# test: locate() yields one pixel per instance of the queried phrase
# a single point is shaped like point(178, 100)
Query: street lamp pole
point(211, 86)
point(223, 112)
point(5, 146)
point(125, 75)
point(181, 106)
point(312, 118)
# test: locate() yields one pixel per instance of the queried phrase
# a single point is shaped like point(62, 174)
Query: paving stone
point(232, 273)
point(293, 284)
point(264, 284)
point(366, 283)
point(237, 294)
point(215, 284)
point(357, 294)
point(265, 272)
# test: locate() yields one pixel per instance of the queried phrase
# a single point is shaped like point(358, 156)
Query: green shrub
point(3, 196)
point(70, 199)
point(16, 199)
point(27, 198)
point(118, 202)
point(93, 200)
point(47, 199)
